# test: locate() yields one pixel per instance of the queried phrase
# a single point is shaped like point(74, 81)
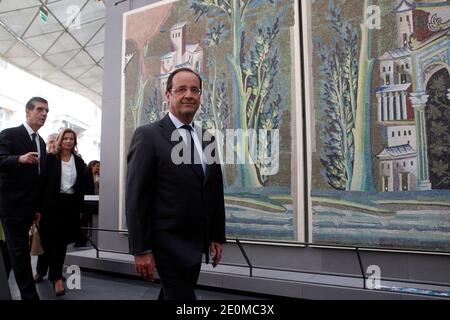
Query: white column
point(385, 107)
point(404, 105)
point(398, 115)
point(380, 106)
point(391, 106)
point(419, 103)
point(448, 94)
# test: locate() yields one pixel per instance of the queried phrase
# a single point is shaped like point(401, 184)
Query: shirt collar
point(177, 123)
point(29, 130)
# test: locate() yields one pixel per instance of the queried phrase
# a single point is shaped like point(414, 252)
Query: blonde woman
point(62, 204)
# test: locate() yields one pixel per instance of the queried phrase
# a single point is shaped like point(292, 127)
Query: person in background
point(42, 262)
point(22, 157)
point(92, 178)
point(95, 168)
point(62, 203)
point(51, 142)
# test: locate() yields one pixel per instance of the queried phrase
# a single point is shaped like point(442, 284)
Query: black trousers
point(17, 241)
point(178, 283)
point(42, 264)
point(55, 251)
point(57, 230)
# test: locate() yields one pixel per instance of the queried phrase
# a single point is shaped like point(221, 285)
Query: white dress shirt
point(68, 176)
point(198, 146)
point(30, 132)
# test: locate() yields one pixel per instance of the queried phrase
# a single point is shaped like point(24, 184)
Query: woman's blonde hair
point(59, 140)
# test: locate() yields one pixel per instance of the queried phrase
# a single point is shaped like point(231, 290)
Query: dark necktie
point(198, 166)
point(35, 149)
point(33, 139)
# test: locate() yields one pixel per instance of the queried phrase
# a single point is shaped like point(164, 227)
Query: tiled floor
point(96, 285)
point(101, 286)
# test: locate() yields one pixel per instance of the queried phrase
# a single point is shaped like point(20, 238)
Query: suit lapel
point(43, 154)
point(167, 129)
point(26, 138)
point(204, 145)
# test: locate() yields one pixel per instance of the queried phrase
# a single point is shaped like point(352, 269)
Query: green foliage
point(152, 112)
point(253, 69)
point(338, 91)
point(260, 70)
point(216, 102)
point(438, 132)
point(215, 113)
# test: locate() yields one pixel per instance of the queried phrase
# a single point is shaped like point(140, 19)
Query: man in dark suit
point(175, 211)
point(22, 158)
point(42, 262)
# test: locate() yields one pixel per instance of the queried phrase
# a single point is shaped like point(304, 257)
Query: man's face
point(51, 144)
point(37, 116)
point(182, 101)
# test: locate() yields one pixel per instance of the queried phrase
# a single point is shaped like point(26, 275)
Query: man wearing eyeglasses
point(175, 212)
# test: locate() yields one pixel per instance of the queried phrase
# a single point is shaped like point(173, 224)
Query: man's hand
point(145, 266)
point(29, 158)
point(215, 249)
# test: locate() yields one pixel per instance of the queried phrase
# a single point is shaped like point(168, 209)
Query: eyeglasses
point(183, 90)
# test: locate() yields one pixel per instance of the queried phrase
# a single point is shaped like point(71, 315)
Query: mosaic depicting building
point(423, 50)
point(183, 56)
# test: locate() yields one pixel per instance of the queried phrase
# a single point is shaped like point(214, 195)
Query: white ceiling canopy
point(60, 41)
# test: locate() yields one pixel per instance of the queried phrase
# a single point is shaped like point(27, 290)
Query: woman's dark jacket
point(57, 217)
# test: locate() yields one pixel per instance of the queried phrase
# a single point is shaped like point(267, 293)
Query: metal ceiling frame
point(65, 30)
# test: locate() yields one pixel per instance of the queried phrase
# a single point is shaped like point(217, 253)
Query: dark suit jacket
point(66, 218)
point(170, 209)
point(19, 183)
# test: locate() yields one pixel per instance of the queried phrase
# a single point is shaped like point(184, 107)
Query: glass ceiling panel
point(5, 35)
point(5, 45)
point(76, 71)
point(21, 62)
point(92, 76)
point(60, 59)
point(18, 50)
point(87, 31)
point(81, 59)
point(12, 5)
point(92, 11)
point(66, 11)
point(96, 51)
point(97, 88)
point(65, 43)
point(59, 77)
point(41, 68)
point(42, 43)
point(39, 27)
point(99, 37)
point(19, 20)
